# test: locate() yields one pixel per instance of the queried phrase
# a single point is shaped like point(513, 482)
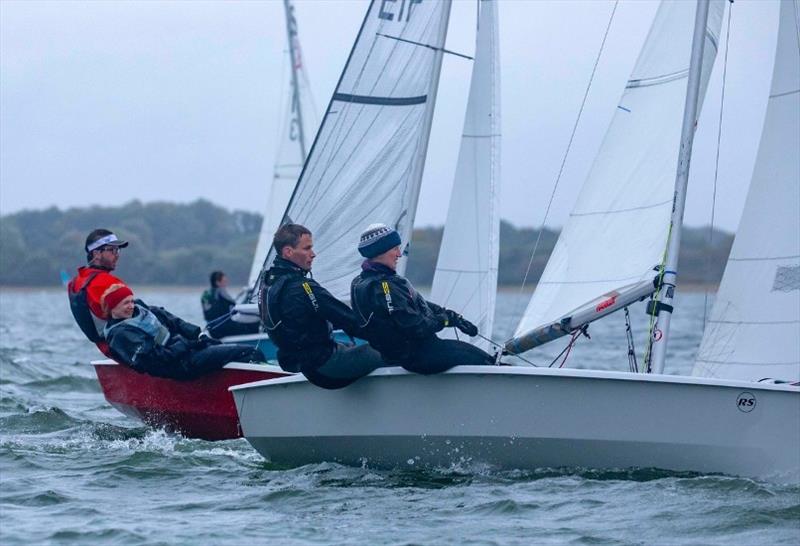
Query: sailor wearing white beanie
point(377, 239)
point(396, 320)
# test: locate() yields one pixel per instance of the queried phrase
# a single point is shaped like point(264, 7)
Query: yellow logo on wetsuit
point(311, 296)
point(388, 296)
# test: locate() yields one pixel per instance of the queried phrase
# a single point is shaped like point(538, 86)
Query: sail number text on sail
point(386, 11)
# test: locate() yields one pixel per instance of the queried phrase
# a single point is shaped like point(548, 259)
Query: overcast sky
point(102, 102)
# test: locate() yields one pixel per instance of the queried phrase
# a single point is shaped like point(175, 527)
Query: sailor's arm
point(331, 309)
point(411, 319)
point(175, 324)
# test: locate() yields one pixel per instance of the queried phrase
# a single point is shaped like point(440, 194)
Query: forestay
point(366, 162)
point(752, 333)
point(617, 231)
point(466, 271)
point(298, 122)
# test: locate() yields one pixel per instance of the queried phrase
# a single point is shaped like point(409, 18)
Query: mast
point(422, 150)
point(291, 34)
point(662, 304)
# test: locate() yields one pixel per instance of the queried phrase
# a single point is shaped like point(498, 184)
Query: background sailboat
point(367, 159)
point(299, 122)
point(466, 270)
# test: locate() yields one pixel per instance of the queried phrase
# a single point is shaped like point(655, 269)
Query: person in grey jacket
point(152, 340)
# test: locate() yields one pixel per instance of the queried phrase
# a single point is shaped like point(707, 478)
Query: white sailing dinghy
point(541, 417)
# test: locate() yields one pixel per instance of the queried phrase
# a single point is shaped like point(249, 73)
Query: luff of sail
point(366, 162)
point(752, 333)
point(466, 270)
point(617, 230)
point(299, 117)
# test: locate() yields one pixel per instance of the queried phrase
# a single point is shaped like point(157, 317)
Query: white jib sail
point(298, 123)
point(617, 230)
point(366, 163)
point(754, 329)
point(466, 271)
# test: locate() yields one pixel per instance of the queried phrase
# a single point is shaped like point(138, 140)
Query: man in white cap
point(86, 289)
point(396, 319)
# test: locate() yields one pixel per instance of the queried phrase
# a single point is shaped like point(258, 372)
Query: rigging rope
point(654, 311)
point(716, 164)
point(569, 146)
point(501, 348)
point(568, 349)
point(632, 364)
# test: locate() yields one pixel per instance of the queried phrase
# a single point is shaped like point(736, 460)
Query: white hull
point(515, 417)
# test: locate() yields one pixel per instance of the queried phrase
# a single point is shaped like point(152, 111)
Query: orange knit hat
point(113, 295)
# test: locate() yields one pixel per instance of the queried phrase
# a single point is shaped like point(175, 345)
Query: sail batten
point(622, 211)
point(383, 101)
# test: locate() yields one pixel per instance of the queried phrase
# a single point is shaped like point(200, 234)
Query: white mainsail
point(466, 271)
point(618, 228)
point(754, 329)
point(366, 162)
point(299, 119)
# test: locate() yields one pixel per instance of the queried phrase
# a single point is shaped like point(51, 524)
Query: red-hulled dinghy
point(199, 408)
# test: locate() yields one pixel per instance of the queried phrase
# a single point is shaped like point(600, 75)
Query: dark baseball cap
point(103, 237)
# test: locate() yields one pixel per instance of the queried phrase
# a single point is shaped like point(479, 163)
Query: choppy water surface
point(73, 470)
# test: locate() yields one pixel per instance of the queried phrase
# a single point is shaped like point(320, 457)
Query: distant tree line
point(179, 244)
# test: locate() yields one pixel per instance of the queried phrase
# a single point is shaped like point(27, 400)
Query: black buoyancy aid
point(90, 325)
point(214, 306)
point(293, 337)
point(269, 304)
point(378, 327)
point(361, 294)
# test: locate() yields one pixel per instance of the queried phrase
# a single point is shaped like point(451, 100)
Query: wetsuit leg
point(436, 355)
point(345, 366)
point(215, 357)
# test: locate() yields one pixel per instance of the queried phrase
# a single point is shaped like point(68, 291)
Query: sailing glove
point(466, 326)
point(457, 321)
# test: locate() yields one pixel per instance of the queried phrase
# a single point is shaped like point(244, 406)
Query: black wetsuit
point(402, 326)
point(299, 314)
point(217, 306)
point(216, 303)
point(156, 342)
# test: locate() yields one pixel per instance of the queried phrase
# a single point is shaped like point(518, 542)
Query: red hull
point(200, 408)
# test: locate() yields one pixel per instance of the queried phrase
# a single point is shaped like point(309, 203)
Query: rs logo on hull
point(746, 402)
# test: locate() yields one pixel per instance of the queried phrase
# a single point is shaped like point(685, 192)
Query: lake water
point(73, 470)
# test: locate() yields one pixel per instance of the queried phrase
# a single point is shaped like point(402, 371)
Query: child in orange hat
point(154, 341)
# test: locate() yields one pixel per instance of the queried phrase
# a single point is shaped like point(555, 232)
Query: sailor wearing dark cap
point(397, 321)
point(86, 289)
